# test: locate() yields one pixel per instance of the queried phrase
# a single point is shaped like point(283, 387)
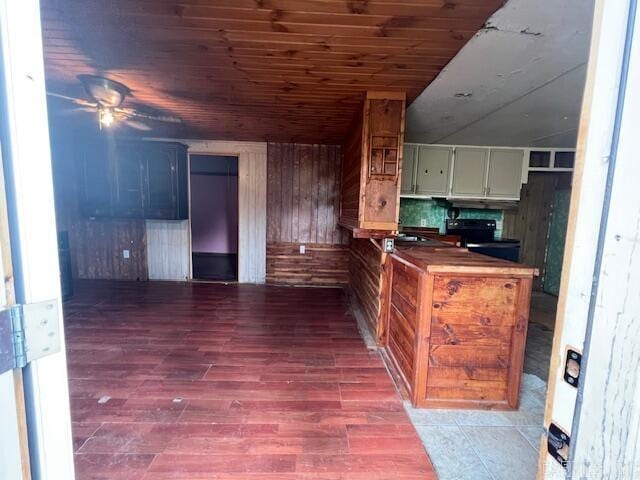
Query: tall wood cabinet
point(372, 166)
point(134, 179)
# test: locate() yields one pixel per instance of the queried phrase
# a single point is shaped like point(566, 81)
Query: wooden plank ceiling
point(273, 70)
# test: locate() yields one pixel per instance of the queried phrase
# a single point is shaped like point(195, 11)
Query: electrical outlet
point(303, 249)
point(125, 253)
point(423, 222)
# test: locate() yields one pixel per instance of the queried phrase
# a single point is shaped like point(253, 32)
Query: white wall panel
point(168, 249)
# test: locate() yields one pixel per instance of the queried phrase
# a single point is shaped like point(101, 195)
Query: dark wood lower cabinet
point(134, 179)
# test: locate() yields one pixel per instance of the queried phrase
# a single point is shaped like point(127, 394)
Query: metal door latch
point(572, 367)
point(28, 332)
point(558, 444)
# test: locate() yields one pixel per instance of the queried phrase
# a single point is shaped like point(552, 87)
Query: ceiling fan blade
point(74, 110)
point(130, 112)
point(137, 125)
point(77, 101)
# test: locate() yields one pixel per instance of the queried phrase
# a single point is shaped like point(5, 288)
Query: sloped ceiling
point(518, 82)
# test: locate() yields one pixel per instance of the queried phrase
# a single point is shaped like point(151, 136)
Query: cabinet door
point(408, 168)
point(469, 172)
point(505, 173)
point(95, 181)
point(432, 176)
point(128, 201)
point(160, 180)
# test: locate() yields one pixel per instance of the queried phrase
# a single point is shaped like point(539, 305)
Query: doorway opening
point(214, 217)
point(540, 223)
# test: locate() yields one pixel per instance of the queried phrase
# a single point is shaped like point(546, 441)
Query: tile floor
point(479, 445)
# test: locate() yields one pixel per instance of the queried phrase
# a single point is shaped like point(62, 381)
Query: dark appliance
point(478, 235)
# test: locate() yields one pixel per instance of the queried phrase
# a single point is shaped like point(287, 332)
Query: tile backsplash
point(418, 212)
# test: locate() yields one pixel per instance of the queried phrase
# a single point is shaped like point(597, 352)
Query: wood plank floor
point(206, 381)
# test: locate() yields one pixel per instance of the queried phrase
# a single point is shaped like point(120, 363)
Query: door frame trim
point(30, 203)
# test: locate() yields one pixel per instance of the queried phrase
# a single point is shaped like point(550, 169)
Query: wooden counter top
point(446, 258)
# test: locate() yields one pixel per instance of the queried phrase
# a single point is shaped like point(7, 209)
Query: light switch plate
point(423, 222)
point(303, 249)
point(125, 253)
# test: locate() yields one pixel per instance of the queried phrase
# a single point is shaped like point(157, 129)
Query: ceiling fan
point(107, 97)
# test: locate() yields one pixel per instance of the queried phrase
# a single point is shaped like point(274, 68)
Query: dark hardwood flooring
point(207, 381)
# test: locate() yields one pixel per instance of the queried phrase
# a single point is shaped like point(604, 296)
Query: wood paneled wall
point(303, 194)
point(351, 175)
point(366, 277)
point(97, 249)
point(321, 264)
point(530, 223)
point(96, 245)
point(303, 204)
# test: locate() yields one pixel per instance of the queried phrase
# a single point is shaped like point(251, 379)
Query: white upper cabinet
point(469, 172)
point(465, 172)
point(505, 173)
point(407, 184)
point(432, 174)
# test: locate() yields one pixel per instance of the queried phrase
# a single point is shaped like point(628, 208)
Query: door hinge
point(28, 332)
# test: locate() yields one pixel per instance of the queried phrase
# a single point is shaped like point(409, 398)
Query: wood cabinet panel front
point(457, 337)
point(370, 192)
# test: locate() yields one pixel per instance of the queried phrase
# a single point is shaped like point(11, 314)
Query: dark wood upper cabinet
point(165, 167)
point(135, 179)
point(128, 181)
point(95, 173)
point(372, 167)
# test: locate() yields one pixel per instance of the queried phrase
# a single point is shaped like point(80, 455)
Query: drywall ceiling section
point(518, 82)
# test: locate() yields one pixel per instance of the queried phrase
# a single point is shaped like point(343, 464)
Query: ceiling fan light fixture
point(106, 117)
point(107, 93)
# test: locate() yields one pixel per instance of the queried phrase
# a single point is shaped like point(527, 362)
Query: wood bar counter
point(456, 326)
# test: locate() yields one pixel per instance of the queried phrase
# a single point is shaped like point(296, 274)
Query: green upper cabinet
point(432, 173)
point(505, 173)
point(407, 184)
point(469, 172)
